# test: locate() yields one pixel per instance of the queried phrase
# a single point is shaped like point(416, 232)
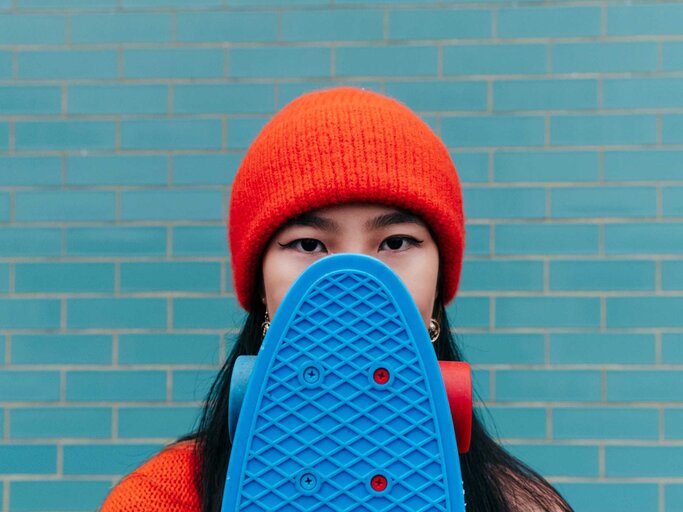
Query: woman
point(338, 170)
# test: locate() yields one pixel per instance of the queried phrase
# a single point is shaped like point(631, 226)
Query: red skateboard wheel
point(457, 377)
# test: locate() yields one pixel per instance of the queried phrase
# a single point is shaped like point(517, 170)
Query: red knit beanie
point(343, 145)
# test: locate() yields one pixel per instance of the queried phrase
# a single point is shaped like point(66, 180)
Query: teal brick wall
point(122, 123)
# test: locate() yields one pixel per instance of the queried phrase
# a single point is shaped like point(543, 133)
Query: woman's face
point(397, 238)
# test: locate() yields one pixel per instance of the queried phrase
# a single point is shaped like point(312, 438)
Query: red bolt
point(379, 483)
point(381, 375)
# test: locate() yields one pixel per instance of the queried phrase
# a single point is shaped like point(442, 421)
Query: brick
point(635, 93)
point(559, 460)
point(672, 201)
point(222, 27)
point(653, 461)
point(116, 241)
point(30, 242)
point(206, 313)
point(118, 99)
point(644, 165)
point(494, 131)
point(504, 349)
point(64, 135)
point(227, 98)
point(644, 20)
point(481, 384)
point(602, 348)
point(290, 91)
point(116, 313)
point(652, 238)
point(549, 22)
point(502, 276)
point(547, 385)
point(28, 459)
point(644, 385)
point(199, 241)
point(386, 61)
point(29, 170)
point(673, 423)
point(28, 386)
point(332, 25)
point(205, 169)
point(440, 96)
point(64, 277)
point(27, 100)
point(242, 132)
point(70, 205)
point(170, 277)
point(200, 349)
point(672, 348)
point(629, 312)
point(477, 240)
point(515, 422)
point(17, 29)
point(547, 312)
point(5, 65)
point(174, 63)
point(280, 62)
point(510, 95)
point(601, 130)
point(192, 385)
point(60, 422)
point(672, 56)
point(494, 59)
point(472, 167)
point(505, 203)
point(546, 239)
point(604, 57)
point(284, 3)
point(470, 312)
point(121, 28)
point(439, 24)
point(4, 207)
point(604, 201)
point(171, 134)
point(29, 314)
point(545, 166)
point(106, 459)
point(142, 4)
point(67, 64)
point(117, 170)
point(151, 422)
point(600, 496)
point(115, 385)
point(673, 497)
point(69, 4)
point(605, 423)
point(173, 204)
point(672, 130)
point(72, 495)
point(4, 136)
point(61, 349)
point(4, 284)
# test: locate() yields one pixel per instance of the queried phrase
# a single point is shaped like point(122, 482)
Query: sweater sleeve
point(165, 483)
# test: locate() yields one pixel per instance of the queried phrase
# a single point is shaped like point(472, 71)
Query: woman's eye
point(398, 243)
point(309, 245)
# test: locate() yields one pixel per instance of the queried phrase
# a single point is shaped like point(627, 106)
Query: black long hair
point(494, 480)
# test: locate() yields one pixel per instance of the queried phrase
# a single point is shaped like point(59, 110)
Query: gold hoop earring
point(434, 330)
point(265, 325)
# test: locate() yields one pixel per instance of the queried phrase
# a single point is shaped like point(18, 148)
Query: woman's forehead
point(374, 216)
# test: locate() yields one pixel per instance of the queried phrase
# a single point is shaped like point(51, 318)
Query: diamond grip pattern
point(323, 428)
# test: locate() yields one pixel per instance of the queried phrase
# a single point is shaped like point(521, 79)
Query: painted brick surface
point(123, 122)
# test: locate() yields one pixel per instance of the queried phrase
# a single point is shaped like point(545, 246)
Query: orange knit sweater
point(165, 483)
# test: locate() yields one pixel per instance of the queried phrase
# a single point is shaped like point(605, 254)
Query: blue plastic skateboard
point(344, 408)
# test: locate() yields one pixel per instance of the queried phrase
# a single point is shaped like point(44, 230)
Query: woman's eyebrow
point(381, 221)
